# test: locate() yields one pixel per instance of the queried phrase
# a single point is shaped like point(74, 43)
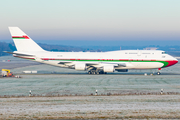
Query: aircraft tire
point(101, 72)
point(89, 72)
point(158, 73)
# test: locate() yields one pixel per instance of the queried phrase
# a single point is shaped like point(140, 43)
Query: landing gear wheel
point(158, 73)
point(94, 72)
point(101, 72)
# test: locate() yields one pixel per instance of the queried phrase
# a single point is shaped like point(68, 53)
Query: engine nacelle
point(108, 68)
point(80, 66)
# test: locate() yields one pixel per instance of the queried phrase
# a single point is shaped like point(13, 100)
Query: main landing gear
point(94, 72)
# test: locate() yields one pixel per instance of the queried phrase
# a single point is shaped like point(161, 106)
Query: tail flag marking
point(20, 37)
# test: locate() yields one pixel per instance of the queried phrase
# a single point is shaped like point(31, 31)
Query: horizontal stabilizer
point(18, 54)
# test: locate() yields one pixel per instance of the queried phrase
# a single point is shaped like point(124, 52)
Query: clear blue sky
point(92, 19)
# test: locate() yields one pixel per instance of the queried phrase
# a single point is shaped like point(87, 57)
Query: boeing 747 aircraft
point(93, 62)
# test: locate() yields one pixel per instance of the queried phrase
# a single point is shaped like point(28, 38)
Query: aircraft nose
point(172, 62)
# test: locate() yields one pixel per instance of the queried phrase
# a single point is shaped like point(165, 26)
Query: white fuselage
point(124, 59)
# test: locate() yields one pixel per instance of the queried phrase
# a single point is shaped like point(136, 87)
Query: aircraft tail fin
point(22, 41)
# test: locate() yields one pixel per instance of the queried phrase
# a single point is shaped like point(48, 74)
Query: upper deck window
point(164, 53)
point(132, 53)
point(146, 53)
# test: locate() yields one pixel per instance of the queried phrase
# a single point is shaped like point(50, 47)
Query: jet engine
point(80, 66)
point(108, 68)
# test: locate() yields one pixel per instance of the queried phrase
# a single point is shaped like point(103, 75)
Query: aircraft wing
point(96, 64)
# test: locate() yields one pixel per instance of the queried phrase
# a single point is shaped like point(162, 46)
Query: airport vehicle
point(93, 62)
point(6, 73)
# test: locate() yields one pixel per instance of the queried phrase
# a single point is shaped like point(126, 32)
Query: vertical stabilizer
point(22, 41)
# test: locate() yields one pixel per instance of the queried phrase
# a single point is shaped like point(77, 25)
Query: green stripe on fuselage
point(163, 62)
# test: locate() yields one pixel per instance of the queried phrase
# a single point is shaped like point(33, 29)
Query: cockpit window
point(164, 53)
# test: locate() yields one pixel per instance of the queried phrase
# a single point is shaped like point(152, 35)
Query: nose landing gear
point(158, 73)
